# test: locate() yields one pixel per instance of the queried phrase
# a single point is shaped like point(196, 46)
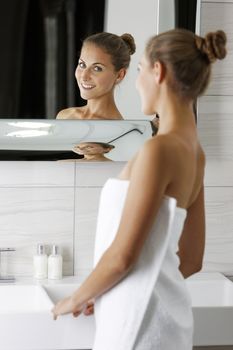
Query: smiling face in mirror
point(93, 151)
point(103, 64)
point(95, 73)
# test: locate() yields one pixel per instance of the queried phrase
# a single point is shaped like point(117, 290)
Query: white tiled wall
point(95, 174)
point(214, 16)
point(215, 127)
point(36, 174)
point(85, 217)
point(219, 229)
point(29, 215)
point(51, 203)
point(62, 207)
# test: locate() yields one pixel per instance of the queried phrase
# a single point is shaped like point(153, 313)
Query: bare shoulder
point(158, 147)
point(146, 154)
point(172, 147)
point(70, 113)
point(153, 157)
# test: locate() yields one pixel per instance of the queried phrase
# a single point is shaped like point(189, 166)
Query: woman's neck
point(102, 108)
point(175, 114)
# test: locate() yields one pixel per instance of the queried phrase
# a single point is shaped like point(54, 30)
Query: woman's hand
point(68, 305)
point(89, 308)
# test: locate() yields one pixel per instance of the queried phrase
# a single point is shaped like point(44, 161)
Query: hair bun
point(129, 40)
point(213, 45)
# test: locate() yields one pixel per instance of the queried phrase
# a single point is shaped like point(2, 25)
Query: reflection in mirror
point(103, 63)
point(40, 42)
point(64, 139)
point(155, 17)
point(93, 151)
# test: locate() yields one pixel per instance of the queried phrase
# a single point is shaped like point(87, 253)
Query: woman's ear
point(159, 71)
point(120, 75)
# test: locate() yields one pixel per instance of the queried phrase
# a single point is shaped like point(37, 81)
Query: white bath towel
point(132, 315)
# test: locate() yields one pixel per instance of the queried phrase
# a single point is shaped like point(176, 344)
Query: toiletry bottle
point(55, 264)
point(40, 263)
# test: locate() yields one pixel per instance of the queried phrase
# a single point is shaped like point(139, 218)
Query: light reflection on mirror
point(116, 140)
point(45, 141)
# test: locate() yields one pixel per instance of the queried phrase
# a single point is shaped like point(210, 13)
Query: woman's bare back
point(186, 163)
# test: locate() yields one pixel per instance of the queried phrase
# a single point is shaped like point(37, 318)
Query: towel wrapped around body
point(150, 309)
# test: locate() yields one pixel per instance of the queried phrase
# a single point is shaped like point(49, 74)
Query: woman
point(93, 151)
point(102, 65)
point(145, 241)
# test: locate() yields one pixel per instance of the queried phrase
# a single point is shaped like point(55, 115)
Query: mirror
point(39, 64)
point(22, 97)
point(73, 140)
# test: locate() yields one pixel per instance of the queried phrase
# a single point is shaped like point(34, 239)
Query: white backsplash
point(57, 203)
point(51, 203)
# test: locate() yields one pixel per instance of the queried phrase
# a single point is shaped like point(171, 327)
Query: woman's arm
point(192, 241)
point(149, 180)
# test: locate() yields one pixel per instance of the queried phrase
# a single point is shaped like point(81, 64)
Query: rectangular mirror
point(73, 140)
point(38, 76)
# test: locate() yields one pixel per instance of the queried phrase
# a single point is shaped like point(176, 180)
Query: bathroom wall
point(51, 203)
point(215, 126)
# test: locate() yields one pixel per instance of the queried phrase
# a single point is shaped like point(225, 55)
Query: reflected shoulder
point(69, 113)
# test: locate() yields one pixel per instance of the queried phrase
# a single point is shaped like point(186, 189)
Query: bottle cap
point(55, 250)
point(40, 249)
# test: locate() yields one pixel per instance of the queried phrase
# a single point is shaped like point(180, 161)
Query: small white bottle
point(55, 264)
point(40, 263)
